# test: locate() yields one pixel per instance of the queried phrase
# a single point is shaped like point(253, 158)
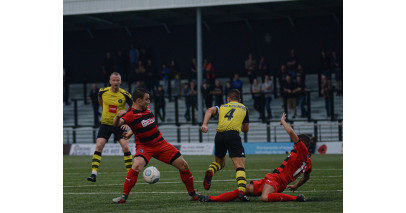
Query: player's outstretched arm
point(117, 122)
point(245, 127)
point(289, 129)
point(303, 180)
point(209, 112)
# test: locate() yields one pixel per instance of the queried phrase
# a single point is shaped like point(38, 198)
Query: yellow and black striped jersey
point(232, 116)
point(113, 103)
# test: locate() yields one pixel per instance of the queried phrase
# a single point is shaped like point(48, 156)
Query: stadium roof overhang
point(115, 14)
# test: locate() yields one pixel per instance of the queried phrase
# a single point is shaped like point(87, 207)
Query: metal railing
point(259, 132)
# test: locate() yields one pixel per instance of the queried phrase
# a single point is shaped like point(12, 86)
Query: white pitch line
point(114, 193)
point(179, 182)
point(250, 170)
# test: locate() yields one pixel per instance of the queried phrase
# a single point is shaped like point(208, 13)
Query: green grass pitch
point(324, 190)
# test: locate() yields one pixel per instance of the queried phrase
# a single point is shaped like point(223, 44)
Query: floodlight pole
point(199, 64)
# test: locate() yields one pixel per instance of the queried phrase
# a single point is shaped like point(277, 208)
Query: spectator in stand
point(143, 55)
point(300, 93)
point(107, 67)
point(218, 93)
point(193, 93)
point(300, 72)
point(177, 77)
point(338, 72)
point(250, 67)
point(226, 90)
point(165, 72)
point(325, 65)
point(263, 68)
point(327, 93)
point(193, 69)
point(121, 64)
point(288, 88)
point(93, 96)
point(267, 90)
point(133, 56)
point(257, 96)
point(150, 75)
point(140, 74)
point(207, 96)
point(160, 103)
point(208, 72)
point(291, 63)
point(188, 101)
point(282, 81)
point(237, 84)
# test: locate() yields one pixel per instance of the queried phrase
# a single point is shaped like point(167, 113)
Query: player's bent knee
point(264, 197)
point(183, 166)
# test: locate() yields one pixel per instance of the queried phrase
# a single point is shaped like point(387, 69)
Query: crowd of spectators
point(137, 66)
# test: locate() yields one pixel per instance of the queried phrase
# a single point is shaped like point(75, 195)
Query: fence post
point(176, 111)
point(315, 129)
point(85, 92)
point(74, 134)
point(268, 132)
point(275, 88)
point(178, 128)
point(309, 114)
point(75, 111)
point(200, 136)
point(332, 104)
point(193, 115)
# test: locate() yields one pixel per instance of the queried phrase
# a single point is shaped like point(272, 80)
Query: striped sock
point(214, 167)
point(128, 160)
point(96, 162)
point(241, 179)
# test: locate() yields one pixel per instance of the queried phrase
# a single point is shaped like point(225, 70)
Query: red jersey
point(296, 163)
point(143, 125)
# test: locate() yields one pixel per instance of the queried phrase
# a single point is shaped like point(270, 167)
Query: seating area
point(259, 132)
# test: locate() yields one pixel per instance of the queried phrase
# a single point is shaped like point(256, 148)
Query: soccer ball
point(151, 175)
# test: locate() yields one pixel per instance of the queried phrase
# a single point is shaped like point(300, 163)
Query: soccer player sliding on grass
point(271, 187)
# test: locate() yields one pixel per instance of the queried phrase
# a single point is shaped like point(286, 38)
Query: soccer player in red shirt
point(149, 143)
point(271, 187)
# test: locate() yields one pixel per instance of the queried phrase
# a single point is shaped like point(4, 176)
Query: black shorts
point(228, 140)
point(105, 132)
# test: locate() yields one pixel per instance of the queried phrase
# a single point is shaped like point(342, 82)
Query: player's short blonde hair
point(115, 73)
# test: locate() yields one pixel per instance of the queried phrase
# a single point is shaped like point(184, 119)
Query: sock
point(279, 197)
point(187, 179)
point(225, 197)
point(130, 181)
point(214, 167)
point(96, 162)
point(128, 160)
point(241, 179)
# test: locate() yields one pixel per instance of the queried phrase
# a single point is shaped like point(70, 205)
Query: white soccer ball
point(151, 175)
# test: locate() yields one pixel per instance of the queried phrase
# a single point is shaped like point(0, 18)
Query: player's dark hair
point(139, 93)
point(305, 139)
point(234, 95)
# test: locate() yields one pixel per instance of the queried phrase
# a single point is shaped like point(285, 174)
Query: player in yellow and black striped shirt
point(112, 99)
point(233, 117)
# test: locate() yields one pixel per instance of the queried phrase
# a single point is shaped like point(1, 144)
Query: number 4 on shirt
point(229, 114)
